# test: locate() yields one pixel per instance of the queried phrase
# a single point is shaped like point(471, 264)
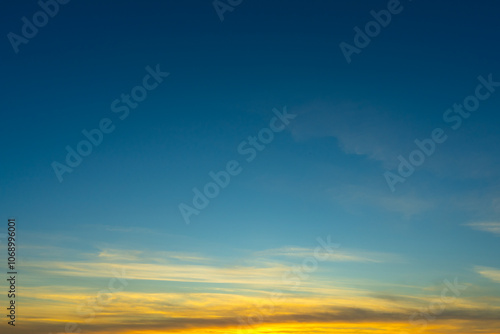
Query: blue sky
point(323, 175)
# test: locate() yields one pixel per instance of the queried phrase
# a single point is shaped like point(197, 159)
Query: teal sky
point(323, 175)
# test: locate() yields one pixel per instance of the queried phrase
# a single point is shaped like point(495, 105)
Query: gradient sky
point(322, 176)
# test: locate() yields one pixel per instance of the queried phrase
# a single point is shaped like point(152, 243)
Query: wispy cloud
point(321, 304)
point(360, 129)
point(319, 314)
point(352, 196)
point(490, 273)
point(491, 227)
point(337, 256)
point(117, 255)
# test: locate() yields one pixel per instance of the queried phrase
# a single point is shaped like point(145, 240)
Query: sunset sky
point(305, 230)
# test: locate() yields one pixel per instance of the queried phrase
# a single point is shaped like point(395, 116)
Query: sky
point(251, 167)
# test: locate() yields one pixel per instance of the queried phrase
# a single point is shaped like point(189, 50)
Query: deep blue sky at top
point(225, 78)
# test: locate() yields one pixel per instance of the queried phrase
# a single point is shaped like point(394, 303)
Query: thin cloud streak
point(491, 227)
